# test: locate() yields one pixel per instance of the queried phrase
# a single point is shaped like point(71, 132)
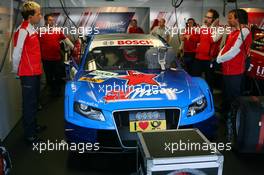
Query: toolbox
point(178, 151)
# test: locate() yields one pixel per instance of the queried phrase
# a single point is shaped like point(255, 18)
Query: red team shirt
point(207, 48)
point(135, 30)
point(190, 45)
point(50, 45)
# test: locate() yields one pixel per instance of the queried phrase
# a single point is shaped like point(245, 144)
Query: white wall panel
point(10, 98)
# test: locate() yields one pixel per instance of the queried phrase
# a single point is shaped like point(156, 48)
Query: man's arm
point(69, 43)
point(235, 49)
point(216, 35)
point(19, 44)
point(66, 40)
point(153, 31)
point(128, 30)
point(168, 38)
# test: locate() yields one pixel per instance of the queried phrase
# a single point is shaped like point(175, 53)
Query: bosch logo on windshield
point(135, 42)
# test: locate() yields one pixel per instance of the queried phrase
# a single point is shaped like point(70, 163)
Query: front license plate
point(145, 121)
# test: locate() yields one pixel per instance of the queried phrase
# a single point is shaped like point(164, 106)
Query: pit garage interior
point(114, 16)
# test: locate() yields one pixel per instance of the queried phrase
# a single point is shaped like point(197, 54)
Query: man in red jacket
point(233, 56)
point(208, 47)
point(50, 38)
point(27, 65)
point(134, 27)
point(189, 46)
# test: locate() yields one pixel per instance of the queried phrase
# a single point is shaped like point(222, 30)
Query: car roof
point(122, 36)
point(107, 40)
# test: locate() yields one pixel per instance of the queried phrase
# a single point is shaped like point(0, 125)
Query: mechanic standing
point(50, 38)
point(189, 46)
point(233, 58)
point(27, 65)
point(209, 44)
point(161, 30)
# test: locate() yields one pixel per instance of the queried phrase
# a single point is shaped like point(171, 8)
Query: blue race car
point(129, 83)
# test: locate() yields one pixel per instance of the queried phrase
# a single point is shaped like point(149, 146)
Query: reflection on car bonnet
point(152, 58)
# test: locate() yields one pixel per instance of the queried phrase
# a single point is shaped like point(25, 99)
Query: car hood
point(137, 89)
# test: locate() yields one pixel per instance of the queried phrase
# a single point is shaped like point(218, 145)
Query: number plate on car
point(144, 121)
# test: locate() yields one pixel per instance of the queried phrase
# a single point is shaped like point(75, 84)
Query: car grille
point(106, 138)
point(129, 139)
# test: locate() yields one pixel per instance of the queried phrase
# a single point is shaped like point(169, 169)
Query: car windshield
point(129, 57)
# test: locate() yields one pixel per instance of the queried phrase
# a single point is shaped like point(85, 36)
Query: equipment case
point(155, 158)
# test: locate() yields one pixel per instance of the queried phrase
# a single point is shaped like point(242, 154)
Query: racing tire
point(5, 162)
point(238, 117)
point(245, 116)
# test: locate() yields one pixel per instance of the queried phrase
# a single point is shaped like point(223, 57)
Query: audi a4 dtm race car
point(129, 83)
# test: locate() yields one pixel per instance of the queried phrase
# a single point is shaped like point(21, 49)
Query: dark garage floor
point(28, 162)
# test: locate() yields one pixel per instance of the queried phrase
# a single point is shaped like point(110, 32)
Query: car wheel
point(246, 117)
point(238, 127)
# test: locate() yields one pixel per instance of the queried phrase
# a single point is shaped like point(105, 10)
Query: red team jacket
point(135, 30)
point(26, 54)
point(235, 51)
point(207, 49)
point(190, 45)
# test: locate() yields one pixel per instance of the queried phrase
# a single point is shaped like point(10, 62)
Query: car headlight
point(88, 111)
point(197, 107)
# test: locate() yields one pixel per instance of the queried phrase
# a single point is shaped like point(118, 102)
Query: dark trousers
point(231, 90)
point(30, 97)
point(188, 59)
point(203, 66)
point(53, 71)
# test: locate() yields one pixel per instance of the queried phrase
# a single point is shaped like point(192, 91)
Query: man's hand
point(187, 37)
point(182, 38)
point(218, 60)
point(215, 23)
